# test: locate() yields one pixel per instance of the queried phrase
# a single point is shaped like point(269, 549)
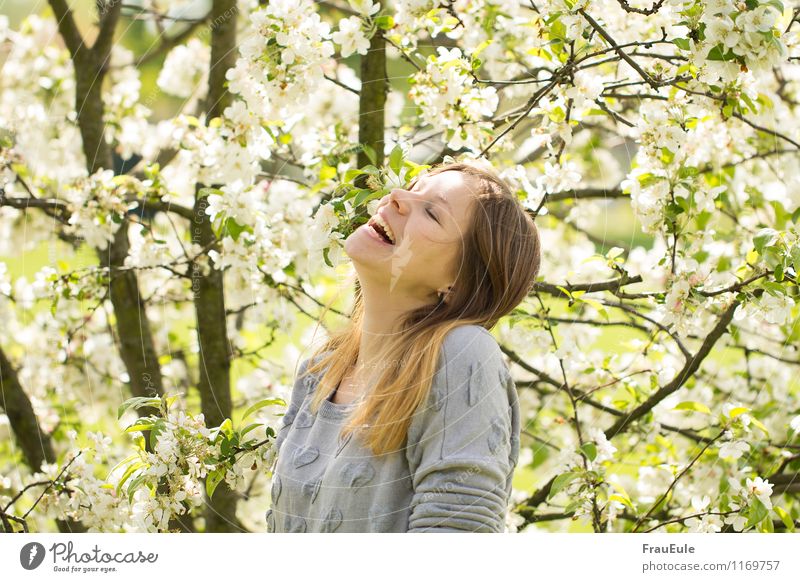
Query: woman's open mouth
point(378, 232)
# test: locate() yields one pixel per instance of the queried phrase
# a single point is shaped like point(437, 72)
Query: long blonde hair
point(499, 261)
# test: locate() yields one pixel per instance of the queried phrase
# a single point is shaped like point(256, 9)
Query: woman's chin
point(362, 248)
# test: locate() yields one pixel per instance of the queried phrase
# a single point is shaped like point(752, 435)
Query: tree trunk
point(214, 361)
point(372, 100)
point(35, 444)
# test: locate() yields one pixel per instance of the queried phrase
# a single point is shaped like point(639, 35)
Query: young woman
point(408, 419)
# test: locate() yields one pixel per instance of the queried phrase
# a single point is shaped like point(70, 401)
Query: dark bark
point(133, 328)
point(34, 443)
point(214, 360)
point(372, 101)
point(136, 346)
point(223, 55)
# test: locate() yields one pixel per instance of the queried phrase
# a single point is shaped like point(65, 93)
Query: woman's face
point(428, 221)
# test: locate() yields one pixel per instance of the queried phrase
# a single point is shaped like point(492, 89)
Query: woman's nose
point(397, 198)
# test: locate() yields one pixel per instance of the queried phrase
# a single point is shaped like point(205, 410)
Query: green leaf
point(682, 43)
point(134, 485)
point(137, 403)
point(233, 228)
point(352, 174)
point(261, 404)
point(327, 173)
point(396, 159)
point(225, 447)
point(566, 292)
point(227, 428)
point(756, 512)
point(560, 482)
point(717, 54)
point(326, 258)
point(139, 426)
point(158, 427)
point(795, 252)
point(599, 307)
point(128, 472)
point(590, 450)
point(785, 518)
point(764, 238)
point(365, 195)
point(738, 411)
point(385, 22)
point(203, 192)
point(214, 478)
point(173, 398)
point(370, 152)
point(371, 170)
point(760, 425)
point(481, 47)
point(250, 427)
point(624, 500)
point(696, 406)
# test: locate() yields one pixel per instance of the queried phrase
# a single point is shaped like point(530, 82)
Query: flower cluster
point(733, 37)
point(185, 69)
point(98, 205)
point(279, 65)
point(451, 101)
point(126, 125)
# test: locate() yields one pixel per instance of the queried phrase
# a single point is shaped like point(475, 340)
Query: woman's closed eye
point(432, 215)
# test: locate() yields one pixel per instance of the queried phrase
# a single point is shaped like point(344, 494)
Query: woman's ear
point(444, 293)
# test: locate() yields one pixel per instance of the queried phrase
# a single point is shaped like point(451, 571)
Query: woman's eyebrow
point(443, 199)
point(440, 196)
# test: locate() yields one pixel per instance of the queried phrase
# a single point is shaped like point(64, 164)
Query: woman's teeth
point(386, 228)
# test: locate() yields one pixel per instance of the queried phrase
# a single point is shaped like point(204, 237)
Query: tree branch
point(36, 445)
point(168, 43)
point(67, 27)
point(681, 377)
point(109, 11)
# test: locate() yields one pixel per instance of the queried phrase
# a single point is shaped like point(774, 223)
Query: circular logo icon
point(31, 555)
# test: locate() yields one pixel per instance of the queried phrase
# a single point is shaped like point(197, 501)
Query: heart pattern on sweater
point(276, 488)
point(294, 524)
point(305, 455)
point(437, 396)
point(358, 474)
point(331, 521)
point(309, 381)
point(380, 520)
point(288, 416)
point(342, 443)
point(497, 434)
point(304, 419)
point(311, 489)
point(475, 381)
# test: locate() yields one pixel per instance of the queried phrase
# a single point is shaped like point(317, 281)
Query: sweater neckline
point(330, 409)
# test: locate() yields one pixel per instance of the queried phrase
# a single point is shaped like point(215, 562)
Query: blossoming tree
point(657, 376)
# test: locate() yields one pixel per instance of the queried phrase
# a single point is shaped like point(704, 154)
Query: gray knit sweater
point(454, 474)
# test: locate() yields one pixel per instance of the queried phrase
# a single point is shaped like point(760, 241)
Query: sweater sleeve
point(299, 392)
point(463, 443)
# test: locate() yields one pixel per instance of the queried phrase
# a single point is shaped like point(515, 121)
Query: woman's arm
point(299, 392)
point(463, 443)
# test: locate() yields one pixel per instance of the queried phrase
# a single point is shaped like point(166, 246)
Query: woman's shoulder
point(470, 343)
point(305, 381)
